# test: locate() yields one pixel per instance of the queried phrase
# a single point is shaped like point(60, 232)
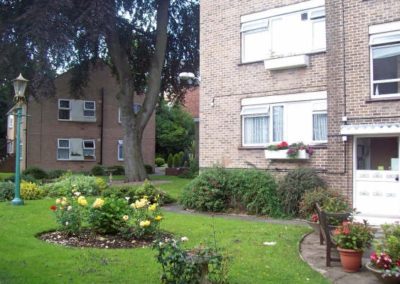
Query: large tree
point(134, 37)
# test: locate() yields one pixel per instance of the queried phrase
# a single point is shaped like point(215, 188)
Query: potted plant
point(283, 150)
point(352, 238)
point(385, 260)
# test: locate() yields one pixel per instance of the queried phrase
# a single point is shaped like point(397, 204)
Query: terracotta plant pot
point(350, 259)
point(379, 274)
point(314, 226)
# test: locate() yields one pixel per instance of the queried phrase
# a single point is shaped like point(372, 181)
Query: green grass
point(5, 175)
point(25, 259)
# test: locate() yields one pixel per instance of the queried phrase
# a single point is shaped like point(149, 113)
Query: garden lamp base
point(17, 201)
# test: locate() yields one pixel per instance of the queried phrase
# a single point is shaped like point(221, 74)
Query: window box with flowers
point(284, 151)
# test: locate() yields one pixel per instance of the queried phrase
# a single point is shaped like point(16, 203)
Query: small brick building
point(325, 73)
point(77, 133)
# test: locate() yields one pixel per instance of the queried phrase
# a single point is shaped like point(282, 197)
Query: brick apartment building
point(325, 73)
point(65, 132)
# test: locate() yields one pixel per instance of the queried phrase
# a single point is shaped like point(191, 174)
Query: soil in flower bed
point(89, 239)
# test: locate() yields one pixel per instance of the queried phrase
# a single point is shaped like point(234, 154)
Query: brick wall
point(225, 82)
point(44, 127)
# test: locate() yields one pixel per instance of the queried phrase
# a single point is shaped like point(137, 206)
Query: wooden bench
point(326, 228)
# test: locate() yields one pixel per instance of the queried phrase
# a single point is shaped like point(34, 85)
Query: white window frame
point(11, 121)
point(89, 109)
point(64, 108)
point(89, 148)
point(69, 149)
point(120, 156)
point(312, 123)
point(379, 41)
point(315, 6)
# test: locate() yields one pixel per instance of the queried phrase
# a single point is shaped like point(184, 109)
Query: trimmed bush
point(159, 162)
point(31, 191)
point(170, 161)
point(294, 185)
point(36, 173)
point(135, 193)
point(177, 160)
point(67, 184)
point(6, 191)
point(312, 197)
point(117, 170)
point(218, 190)
point(98, 170)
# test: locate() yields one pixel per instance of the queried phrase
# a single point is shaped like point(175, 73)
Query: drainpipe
point(101, 126)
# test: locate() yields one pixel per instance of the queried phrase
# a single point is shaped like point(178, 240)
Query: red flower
point(283, 144)
point(314, 218)
point(373, 257)
point(53, 208)
point(398, 263)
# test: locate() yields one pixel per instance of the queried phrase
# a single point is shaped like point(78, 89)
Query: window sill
point(288, 62)
point(252, 148)
point(388, 99)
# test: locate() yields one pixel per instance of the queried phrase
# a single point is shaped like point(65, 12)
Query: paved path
point(310, 249)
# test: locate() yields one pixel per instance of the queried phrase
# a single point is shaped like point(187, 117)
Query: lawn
point(5, 175)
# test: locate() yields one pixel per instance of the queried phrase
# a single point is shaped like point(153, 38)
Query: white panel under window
point(320, 127)
point(254, 45)
point(11, 121)
point(76, 149)
point(251, 110)
point(318, 34)
point(255, 130)
point(120, 150)
point(298, 124)
point(277, 124)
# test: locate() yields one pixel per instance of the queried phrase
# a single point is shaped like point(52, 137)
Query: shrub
point(135, 193)
point(146, 218)
point(23, 177)
point(312, 197)
point(159, 162)
point(177, 160)
point(68, 184)
point(97, 170)
point(117, 170)
point(256, 190)
point(36, 173)
point(31, 191)
point(55, 174)
point(193, 170)
point(69, 213)
point(208, 192)
point(149, 169)
point(106, 216)
point(294, 185)
point(170, 161)
point(6, 191)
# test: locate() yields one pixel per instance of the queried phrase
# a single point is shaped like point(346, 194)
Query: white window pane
point(88, 152)
point(64, 104)
point(89, 113)
point(255, 130)
point(320, 127)
point(318, 35)
point(386, 62)
point(89, 105)
point(10, 121)
point(254, 45)
point(120, 150)
point(389, 88)
point(277, 121)
point(64, 114)
point(88, 144)
point(63, 154)
point(63, 143)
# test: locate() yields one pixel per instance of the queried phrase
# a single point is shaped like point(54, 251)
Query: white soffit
point(384, 28)
point(283, 10)
point(361, 129)
point(285, 98)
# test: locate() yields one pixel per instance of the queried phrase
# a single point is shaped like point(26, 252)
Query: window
point(120, 150)
point(136, 109)
point(292, 118)
point(320, 127)
point(64, 108)
point(63, 149)
point(89, 108)
point(89, 149)
point(11, 121)
point(290, 30)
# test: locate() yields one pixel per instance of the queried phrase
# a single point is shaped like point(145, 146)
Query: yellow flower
point(140, 203)
point(64, 203)
point(98, 203)
point(125, 217)
point(158, 218)
point(82, 201)
point(153, 207)
point(144, 224)
point(58, 201)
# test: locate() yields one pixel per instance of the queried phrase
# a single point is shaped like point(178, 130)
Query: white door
point(376, 179)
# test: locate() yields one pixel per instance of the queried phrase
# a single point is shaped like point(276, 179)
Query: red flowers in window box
point(283, 145)
point(53, 208)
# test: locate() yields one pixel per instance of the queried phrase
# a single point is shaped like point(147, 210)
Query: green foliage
point(217, 190)
point(56, 174)
point(174, 129)
point(159, 162)
point(353, 235)
point(68, 184)
point(36, 173)
point(6, 190)
point(177, 160)
point(180, 265)
point(294, 185)
point(31, 191)
point(170, 161)
point(69, 214)
point(23, 177)
point(106, 216)
point(134, 193)
point(312, 197)
point(98, 170)
point(390, 243)
point(117, 170)
point(193, 170)
point(149, 169)
point(146, 218)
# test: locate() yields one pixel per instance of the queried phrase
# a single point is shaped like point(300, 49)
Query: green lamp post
point(19, 88)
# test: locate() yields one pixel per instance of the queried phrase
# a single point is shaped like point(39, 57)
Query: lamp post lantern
point(20, 84)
